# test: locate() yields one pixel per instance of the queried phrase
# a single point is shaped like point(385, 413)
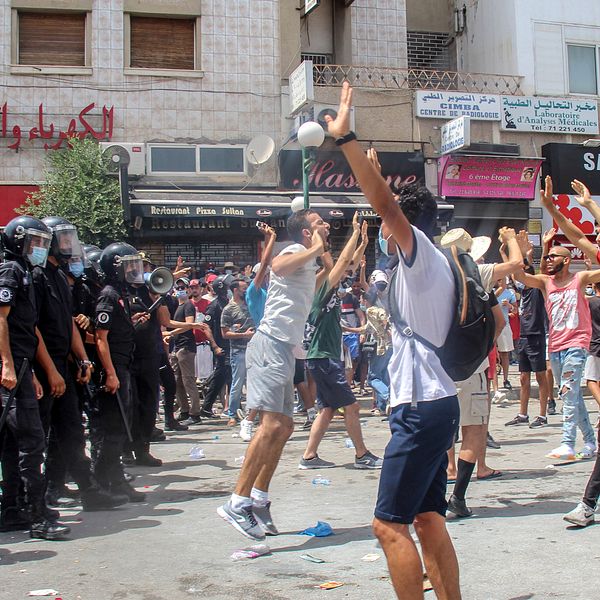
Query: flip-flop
point(493, 475)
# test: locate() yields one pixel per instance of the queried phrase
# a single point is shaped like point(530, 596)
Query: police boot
point(127, 458)
point(13, 518)
point(143, 457)
point(41, 527)
point(124, 488)
point(95, 498)
point(56, 496)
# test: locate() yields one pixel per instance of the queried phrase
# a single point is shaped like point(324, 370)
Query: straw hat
point(476, 246)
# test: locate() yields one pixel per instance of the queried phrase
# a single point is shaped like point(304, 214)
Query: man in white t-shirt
point(425, 410)
point(270, 366)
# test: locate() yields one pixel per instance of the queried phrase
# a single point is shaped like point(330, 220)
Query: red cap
point(210, 278)
point(194, 282)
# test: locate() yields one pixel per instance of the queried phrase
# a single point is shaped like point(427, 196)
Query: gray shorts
point(270, 375)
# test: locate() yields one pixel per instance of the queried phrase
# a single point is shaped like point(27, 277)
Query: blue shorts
point(329, 375)
point(352, 342)
point(413, 478)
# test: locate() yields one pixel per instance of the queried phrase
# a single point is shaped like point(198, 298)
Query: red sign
point(79, 128)
point(11, 197)
point(488, 177)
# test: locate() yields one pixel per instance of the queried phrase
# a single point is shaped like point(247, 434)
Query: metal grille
point(196, 255)
point(420, 79)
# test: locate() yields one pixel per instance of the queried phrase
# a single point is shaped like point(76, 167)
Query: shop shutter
point(52, 39)
point(162, 43)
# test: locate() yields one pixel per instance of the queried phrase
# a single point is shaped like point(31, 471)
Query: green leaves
point(78, 188)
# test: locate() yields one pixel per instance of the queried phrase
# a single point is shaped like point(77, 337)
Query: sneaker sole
point(310, 467)
point(367, 467)
point(572, 457)
point(236, 525)
point(578, 523)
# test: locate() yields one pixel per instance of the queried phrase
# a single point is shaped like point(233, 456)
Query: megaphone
point(160, 281)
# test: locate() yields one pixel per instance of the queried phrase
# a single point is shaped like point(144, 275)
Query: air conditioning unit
point(320, 110)
point(135, 152)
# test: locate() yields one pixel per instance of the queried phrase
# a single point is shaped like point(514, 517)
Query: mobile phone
point(260, 224)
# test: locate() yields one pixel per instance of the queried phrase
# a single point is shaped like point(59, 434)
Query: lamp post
point(310, 137)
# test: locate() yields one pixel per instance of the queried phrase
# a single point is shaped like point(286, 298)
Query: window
point(583, 78)
point(197, 160)
point(54, 39)
point(162, 43)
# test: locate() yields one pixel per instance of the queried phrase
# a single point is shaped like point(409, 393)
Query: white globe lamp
point(310, 135)
point(297, 204)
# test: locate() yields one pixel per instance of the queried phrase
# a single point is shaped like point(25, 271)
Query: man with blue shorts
point(425, 409)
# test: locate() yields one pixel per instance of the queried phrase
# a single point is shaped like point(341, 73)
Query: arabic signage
point(53, 137)
point(449, 105)
point(301, 86)
point(488, 177)
point(332, 173)
point(550, 115)
point(456, 135)
point(565, 162)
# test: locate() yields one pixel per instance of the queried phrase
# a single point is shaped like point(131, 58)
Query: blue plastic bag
point(321, 529)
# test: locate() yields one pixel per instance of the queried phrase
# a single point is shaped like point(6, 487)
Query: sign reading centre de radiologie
point(449, 105)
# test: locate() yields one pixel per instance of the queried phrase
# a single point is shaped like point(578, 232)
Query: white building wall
point(237, 98)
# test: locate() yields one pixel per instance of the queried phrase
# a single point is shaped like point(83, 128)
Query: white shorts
point(473, 399)
point(204, 361)
point(591, 371)
point(505, 341)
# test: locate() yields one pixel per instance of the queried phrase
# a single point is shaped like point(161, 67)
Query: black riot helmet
point(121, 263)
point(221, 284)
point(65, 241)
point(91, 264)
point(28, 238)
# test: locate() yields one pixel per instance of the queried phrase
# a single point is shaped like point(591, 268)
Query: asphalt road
point(174, 546)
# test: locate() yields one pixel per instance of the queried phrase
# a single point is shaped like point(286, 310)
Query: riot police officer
point(26, 241)
point(122, 266)
point(60, 338)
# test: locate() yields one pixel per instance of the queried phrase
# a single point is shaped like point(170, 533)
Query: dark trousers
point(109, 430)
point(61, 419)
point(169, 384)
point(220, 377)
point(144, 395)
point(592, 490)
point(22, 447)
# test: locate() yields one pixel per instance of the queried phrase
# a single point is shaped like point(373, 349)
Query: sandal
point(493, 475)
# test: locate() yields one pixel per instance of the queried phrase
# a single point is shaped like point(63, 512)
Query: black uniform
point(22, 439)
point(61, 417)
point(112, 314)
point(221, 375)
point(145, 378)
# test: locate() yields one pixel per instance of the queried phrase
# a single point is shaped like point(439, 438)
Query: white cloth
point(591, 371)
point(486, 272)
point(204, 361)
point(289, 300)
point(424, 292)
point(505, 340)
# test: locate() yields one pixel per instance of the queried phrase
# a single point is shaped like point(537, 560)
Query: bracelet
point(345, 138)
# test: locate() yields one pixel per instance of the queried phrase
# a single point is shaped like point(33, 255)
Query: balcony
point(416, 79)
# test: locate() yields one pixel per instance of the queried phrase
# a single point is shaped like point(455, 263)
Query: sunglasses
point(180, 288)
point(553, 256)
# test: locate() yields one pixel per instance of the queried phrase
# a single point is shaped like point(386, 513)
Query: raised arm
point(573, 233)
point(286, 264)
point(372, 184)
point(267, 255)
point(514, 261)
point(346, 256)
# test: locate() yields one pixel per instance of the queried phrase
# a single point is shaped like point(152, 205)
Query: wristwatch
point(345, 138)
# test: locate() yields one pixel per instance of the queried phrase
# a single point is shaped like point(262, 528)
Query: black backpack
point(471, 335)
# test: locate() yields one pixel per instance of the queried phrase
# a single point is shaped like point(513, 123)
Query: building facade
point(185, 86)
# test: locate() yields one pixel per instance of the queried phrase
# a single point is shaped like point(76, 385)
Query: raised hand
point(340, 126)
point(364, 234)
point(505, 234)
point(548, 236)
point(583, 194)
point(372, 156)
point(546, 195)
point(317, 242)
point(524, 243)
point(355, 223)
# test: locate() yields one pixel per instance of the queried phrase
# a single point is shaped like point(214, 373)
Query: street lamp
point(310, 137)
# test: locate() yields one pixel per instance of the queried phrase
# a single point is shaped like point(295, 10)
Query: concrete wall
point(429, 15)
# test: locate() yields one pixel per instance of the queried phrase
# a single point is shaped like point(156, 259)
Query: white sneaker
point(582, 515)
point(246, 430)
point(563, 452)
point(498, 397)
point(588, 451)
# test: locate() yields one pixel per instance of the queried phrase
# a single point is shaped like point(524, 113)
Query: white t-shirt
point(289, 300)
point(424, 293)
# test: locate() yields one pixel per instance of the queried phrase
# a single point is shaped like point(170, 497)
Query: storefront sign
point(332, 173)
point(565, 162)
point(46, 130)
point(488, 177)
point(448, 105)
point(550, 115)
point(456, 135)
point(301, 86)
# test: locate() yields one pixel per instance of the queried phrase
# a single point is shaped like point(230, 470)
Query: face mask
point(228, 271)
point(383, 244)
point(76, 269)
point(180, 294)
point(589, 290)
point(363, 307)
point(381, 286)
point(38, 256)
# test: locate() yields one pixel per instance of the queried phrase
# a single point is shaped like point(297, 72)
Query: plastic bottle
point(321, 481)
point(197, 453)
point(239, 460)
point(348, 442)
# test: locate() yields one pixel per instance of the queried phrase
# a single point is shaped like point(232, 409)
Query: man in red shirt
point(204, 340)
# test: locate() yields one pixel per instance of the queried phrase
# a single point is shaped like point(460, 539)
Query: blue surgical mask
point(383, 244)
point(38, 256)
point(228, 271)
point(181, 294)
point(76, 269)
point(363, 307)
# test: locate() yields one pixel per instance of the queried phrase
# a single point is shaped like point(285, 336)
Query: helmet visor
point(36, 246)
point(67, 241)
point(133, 269)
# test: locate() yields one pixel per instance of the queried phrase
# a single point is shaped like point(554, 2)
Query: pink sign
point(488, 177)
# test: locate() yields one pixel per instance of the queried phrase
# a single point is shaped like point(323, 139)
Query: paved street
point(175, 546)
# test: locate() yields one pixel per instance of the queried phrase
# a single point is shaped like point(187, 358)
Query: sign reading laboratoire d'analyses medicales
point(549, 115)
